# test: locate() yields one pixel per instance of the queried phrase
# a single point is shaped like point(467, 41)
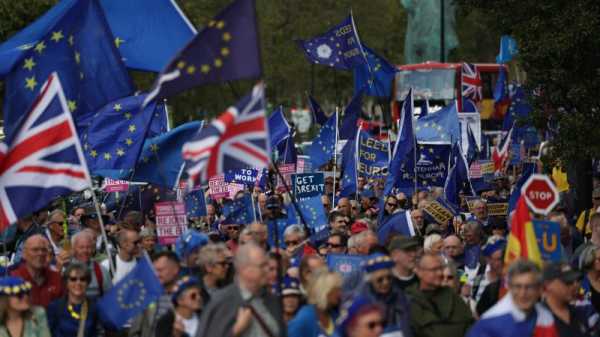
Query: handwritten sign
point(171, 221)
point(306, 185)
point(438, 212)
point(548, 238)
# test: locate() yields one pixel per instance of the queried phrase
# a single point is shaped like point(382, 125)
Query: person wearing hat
point(403, 251)
point(17, 316)
point(486, 285)
point(560, 289)
point(381, 289)
point(187, 248)
point(291, 297)
point(361, 317)
point(183, 320)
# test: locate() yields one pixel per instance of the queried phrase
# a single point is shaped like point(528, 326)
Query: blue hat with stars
point(189, 241)
point(352, 309)
point(10, 286)
point(378, 261)
point(290, 286)
point(182, 284)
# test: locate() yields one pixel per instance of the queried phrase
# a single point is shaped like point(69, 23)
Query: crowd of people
point(224, 279)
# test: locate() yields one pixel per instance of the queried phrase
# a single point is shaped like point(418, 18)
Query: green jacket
point(36, 326)
point(438, 313)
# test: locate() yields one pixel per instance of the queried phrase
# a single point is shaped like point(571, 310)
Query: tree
point(558, 48)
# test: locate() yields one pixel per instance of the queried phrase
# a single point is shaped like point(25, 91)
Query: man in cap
point(381, 289)
point(560, 289)
point(403, 251)
point(583, 221)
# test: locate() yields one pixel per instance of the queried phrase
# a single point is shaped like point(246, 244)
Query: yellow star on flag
point(118, 41)
point(29, 64)
point(226, 36)
point(40, 47)
point(181, 64)
point(120, 152)
point(225, 51)
point(77, 57)
point(107, 156)
point(117, 107)
point(191, 69)
point(132, 128)
point(127, 116)
point(154, 147)
point(218, 63)
point(71, 40)
point(30, 83)
point(57, 36)
point(94, 153)
point(205, 68)
point(221, 24)
point(128, 141)
point(431, 150)
point(72, 105)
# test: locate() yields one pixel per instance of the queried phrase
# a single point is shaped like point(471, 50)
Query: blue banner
point(431, 166)
point(548, 238)
point(345, 264)
point(306, 185)
point(373, 156)
point(242, 176)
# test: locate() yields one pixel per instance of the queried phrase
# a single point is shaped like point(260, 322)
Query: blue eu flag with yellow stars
point(348, 183)
point(313, 212)
point(114, 136)
point(80, 48)
point(131, 295)
point(226, 49)
point(195, 203)
point(322, 147)
point(439, 127)
point(239, 211)
point(378, 75)
point(339, 47)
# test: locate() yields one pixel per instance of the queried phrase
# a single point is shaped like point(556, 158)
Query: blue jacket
point(306, 323)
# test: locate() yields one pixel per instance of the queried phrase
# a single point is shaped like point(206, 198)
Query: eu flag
point(239, 211)
point(80, 48)
point(286, 152)
point(528, 170)
point(195, 203)
point(378, 75)
point(148, 33)
point(318, 113)
point(508, 49)
point(226, 49)
point(322, 148)
point(131, 295)
point(115, 134)
point(397, 223)
point(279, 129)
point(339, 47)
point(473, 149)
point(457, 179)
point(349, 176)
point(313, 213)
point(405, 148)
point(352, 113)
point(439, 127)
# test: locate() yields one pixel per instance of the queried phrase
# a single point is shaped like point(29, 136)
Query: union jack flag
point(43, 159)
point(501, 151)
point(236, 139)
point(471, 82)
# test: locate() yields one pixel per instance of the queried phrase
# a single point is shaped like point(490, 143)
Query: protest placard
point(497, 208)
point(373, 156)
point(217, 187)
point(171, 221)
point(306, 185)
point(438, 212)
point(286, 171)
point(548, 238)
point(113, 185)
point(242, 176)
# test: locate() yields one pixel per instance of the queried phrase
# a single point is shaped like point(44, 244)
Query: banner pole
point(335, 154)
point(103, 231)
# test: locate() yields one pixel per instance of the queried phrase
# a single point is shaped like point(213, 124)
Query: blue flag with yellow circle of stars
point(80, 48)
point(279, 129)
point(439, 127)
point(113, 137)
point(148, 33)
point(226, 49)
point(322, 147)
point(131, 295)
point(431, 168)
point(378, 75)
point(239, 211)
point(339, 47)
point(313, 212)
point(195, 203)
point(349, 168)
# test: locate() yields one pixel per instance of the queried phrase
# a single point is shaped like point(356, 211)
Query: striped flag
point(522, 241)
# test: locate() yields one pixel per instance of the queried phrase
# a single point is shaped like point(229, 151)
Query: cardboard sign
point(438, 212)
point(242, 176)
point(171, 221)
point(306, 185)
point(373, 157)
point(286, 171)
point(303, 165)
point(217, 187)
point(548, 238)
point(112, 185)
point(475, 170)
point(497, 209)
point(487, 167)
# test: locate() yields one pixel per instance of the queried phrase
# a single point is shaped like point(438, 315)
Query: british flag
point(501, 152)
point(43, 160)
point(239, 138)
point(471, 82)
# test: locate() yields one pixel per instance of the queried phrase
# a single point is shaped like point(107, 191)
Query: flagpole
point(253, 206)
point(111, 266)
point(412, 104)
point(335, 154)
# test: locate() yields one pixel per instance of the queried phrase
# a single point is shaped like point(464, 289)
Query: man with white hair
point(244, 308)
point(83, 249)
point(294, 238)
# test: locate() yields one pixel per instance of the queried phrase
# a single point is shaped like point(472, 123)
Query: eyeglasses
point(80, 279)
point(233, 228)
point(334, 245)
point(374, 324)
point(392, 205)
point(291, 242)
point(21, 295)
point(383, 279)
point(526, 287)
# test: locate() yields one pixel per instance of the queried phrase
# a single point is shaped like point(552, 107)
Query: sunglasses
point(233, 228)
point(291, 243)
point(374, 324)
point(80, 279)
point(392, 205)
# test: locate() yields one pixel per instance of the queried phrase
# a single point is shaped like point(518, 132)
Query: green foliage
point(558, 48)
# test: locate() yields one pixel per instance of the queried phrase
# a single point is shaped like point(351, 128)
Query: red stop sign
point(540, 193)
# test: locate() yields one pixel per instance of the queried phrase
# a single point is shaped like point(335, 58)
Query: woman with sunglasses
point(361, 317)
point(17, 316)
point(75, 314)
point(183, 320)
